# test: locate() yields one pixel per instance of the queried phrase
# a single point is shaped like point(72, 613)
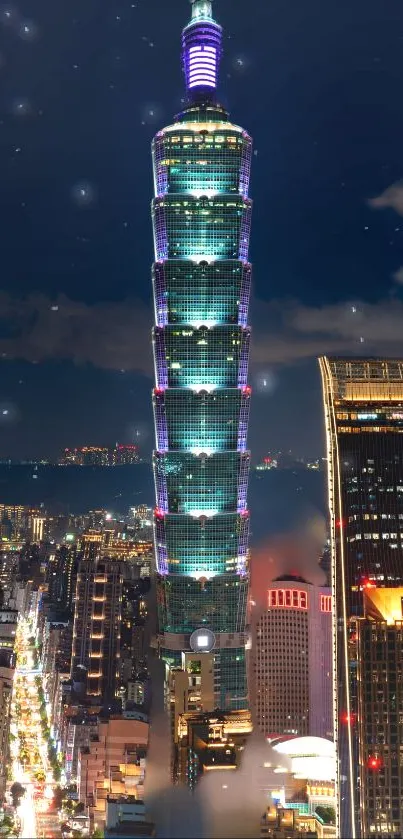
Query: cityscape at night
point(201, 421)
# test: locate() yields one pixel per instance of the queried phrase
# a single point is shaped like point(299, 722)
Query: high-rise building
point(62, 572)
point(6, 689)
point(97, 619)
point(13, 521)
point(8, 632)
point(380, 712)
point(201, 277)
point(291, 658)
point(363, 401)
point(8, 629)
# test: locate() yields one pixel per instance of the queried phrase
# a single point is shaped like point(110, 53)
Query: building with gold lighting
point(363, 403)
point(380, 712)
point(286, 823)
point(209, 742)
point(97, 620)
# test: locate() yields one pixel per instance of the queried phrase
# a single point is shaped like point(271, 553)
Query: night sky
point(83, 87)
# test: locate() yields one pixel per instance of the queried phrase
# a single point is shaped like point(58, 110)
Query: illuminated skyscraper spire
point(201, 278)
point(202, 9)
point(201, 49)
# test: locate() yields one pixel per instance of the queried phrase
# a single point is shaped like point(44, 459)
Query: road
point(26, 812)
point(28, 744)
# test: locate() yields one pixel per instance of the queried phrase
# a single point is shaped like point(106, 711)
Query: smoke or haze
point(296, 553)
point(228, 804)
point(225, 803)
point(176, 812)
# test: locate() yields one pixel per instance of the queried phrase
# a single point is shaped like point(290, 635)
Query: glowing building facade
point(201, 279)
point(380, 712)
point(291, 675)
point(363, 400)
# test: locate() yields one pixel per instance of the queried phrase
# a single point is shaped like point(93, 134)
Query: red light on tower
point(367, 584)
point(348, 719)
point(374, 763)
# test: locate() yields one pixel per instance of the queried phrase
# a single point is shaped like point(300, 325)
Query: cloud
point(221, 798)
point(287, 332)
point(117, 335)
point(296, 552)
point(398, 276)
point(391, 198)
point(108, 335)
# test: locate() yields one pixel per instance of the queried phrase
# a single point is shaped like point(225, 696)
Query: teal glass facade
point(201, 282)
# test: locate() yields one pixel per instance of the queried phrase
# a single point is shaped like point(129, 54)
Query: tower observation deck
point(201, 214)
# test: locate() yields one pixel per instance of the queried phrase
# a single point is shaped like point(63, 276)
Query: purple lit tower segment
point(201, 48)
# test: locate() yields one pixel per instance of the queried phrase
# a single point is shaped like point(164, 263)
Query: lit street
point(26, 812)
point(31, 767)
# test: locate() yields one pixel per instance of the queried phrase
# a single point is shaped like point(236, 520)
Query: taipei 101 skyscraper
point(201, 280)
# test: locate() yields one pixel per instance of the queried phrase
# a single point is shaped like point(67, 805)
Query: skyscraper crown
point(201, 50)
point(202, 9)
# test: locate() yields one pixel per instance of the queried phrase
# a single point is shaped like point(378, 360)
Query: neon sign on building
point(325, 602)
point(287, 598)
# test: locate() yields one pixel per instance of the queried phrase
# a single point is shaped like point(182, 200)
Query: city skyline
point(320, 247)
point(184, 665)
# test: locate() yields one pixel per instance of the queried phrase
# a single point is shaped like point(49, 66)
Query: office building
point(201, 279)
point(113, 763)
point(8, 628)
point(208, 742)
point(197, 727)
point(126, 816)
point(8, 576)
point(363, 403)
point(8, 632)
point(97, 618)
point(291, 660)
point(62, 577)
point(380, 712)
point(6, 690)
point(13, 521)
point(286, 823)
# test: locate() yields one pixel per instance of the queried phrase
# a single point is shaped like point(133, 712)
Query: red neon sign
point(325, 602)
point(287, 598)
